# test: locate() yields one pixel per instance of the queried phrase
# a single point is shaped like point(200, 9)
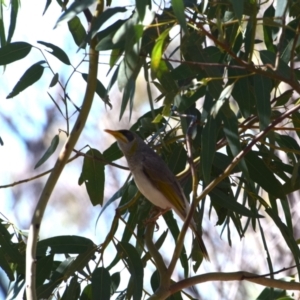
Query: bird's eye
point(128, 134)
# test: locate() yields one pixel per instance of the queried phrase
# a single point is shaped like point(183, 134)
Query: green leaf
point(246, 101)
point(44, 291)
point(262, 175)
point(178, 8)
point(284, 98)
point(232, 135)
point(227, 201)
point(32, 75)
point(262, 90)
point(13, 19)
point(72, 290)
point(104, 17)
point(43, 269)
point(65, 244)
point(54, 80)
point(112, 153)
point(100, 90)
point(105, 37)
point(57, 52)
point(2, 28)
point(49, 151)
point(208, 142)
point(101, 282)
point(141, 8)
point(74, 9)
point(48, 2)
point(77, 31)
point(296, 122)
point(174, 229)
point(128, 95)
point(158, 50)
point(5, 266)
point(270, 58)
point(86, 293)
point(130, 66)
point(115, 281)
point(93, 176)
point(13, 52)
point(238, 8)
point(268, 27)
point(134, 262)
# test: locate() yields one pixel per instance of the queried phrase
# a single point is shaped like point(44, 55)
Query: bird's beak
point(117, 135)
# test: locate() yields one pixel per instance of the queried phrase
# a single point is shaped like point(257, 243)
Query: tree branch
point(59, 165)
point(232, 276)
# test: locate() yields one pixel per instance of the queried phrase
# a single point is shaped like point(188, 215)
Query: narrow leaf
point(13, 52)
point(74, 9)
point(32, 75)
point(13, 19)
point(178, 8)
point(100, 90)
point(49, 152)
point(54, 80)
point(158, 50)
point(57, 52)
point(262, 90)
point(129, 253)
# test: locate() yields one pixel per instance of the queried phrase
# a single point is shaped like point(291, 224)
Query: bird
point(154, 179)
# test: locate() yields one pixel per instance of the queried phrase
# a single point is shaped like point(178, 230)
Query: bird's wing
point(169, 187)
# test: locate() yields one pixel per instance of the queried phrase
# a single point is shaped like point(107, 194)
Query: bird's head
point(127, 140)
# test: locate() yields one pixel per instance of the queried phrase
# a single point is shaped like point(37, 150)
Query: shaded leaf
point(102, 18)
point(269, 58)
point(86, 293)
point(238, 7)
point(65, 244)
point(57, 52)
point(54, 80)
point(174, 229)
point(74, 9)
point(101, 282)
point(13, 19)
point(48, 2)
point(100, 90)
point(229, 202)
point(72, 290)
point(208, 142)
point(262, 90)
point(13, 52)
point(232, 135)
point(49, 151)
point(43, 269)
point(261, 174)
point(93, 176)
point(129, 253)
point(115, 281)
point(32, 75)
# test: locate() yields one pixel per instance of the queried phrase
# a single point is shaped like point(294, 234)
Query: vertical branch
point(59, 165)
point(190, 214)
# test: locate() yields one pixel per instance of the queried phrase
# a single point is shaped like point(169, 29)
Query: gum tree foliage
point(227, 78)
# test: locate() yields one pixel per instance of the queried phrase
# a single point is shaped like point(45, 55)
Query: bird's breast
point(150, 191)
